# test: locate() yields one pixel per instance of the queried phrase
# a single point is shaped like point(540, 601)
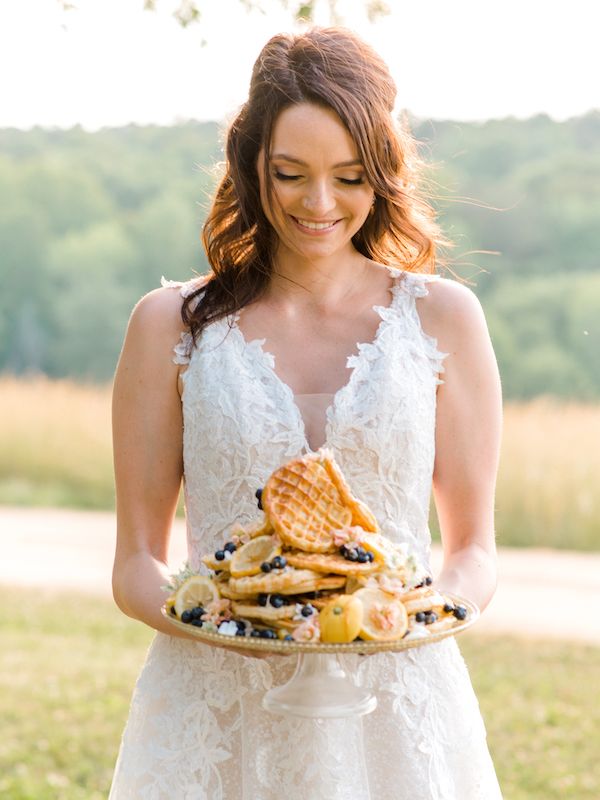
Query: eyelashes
point(280, 176)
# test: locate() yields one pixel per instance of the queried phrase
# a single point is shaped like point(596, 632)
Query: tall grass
point(55, 450)
point(55, 444)
point(549, 480)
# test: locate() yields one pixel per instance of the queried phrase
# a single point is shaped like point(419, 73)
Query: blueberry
point(420, 616)
point(352, 555)
point(277, 601)
point(240, 632)
point(197, 612)
point(262, 599)
point(255, 633)
point(258, 495)
point(220, 555)
point(307, 610)
point(186, 616)
point(428, 580)
point(460, 612)
point(278, 562)
point(370, 556)
point(197, 623)
point(288, 638)
point(240, 624)
point(448, 608)
point(430, 617)
point(230, 547)
point(265, 566)
point(268, 634)
point(363, 558)
point(361, 550)
point(342, 550)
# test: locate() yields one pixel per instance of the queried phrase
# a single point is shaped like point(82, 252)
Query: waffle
point(265, 613)
point(425, 599)
point(214, 564)
point(285, 581)
point(315, 523)
point(361, 514)
point(318, 602)
point(305, 506)
point(326, 562)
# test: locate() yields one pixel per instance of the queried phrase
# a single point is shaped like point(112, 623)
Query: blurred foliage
point(92, 220)
point(187, 12)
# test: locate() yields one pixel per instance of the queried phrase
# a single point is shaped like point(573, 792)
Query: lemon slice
point(341, 619)
point(199, 590)
point(384, 616)
point(247, 559)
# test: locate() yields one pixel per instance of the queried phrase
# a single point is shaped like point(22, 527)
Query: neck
point(327, 280)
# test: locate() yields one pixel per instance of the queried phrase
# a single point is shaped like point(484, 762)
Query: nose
point(318, 198)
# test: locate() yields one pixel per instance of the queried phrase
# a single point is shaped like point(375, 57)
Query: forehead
point(307, 132)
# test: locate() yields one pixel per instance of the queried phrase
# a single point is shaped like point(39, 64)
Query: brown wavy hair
point(333, 68)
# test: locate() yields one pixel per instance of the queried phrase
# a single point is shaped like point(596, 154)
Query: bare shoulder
point(450, 311)
point(154, 330)
point(158, 313)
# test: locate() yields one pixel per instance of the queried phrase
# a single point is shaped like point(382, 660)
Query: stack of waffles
point(315, 567)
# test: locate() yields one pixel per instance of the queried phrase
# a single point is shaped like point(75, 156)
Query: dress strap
point(415, 283)
point(411, 286)
point(183, 348)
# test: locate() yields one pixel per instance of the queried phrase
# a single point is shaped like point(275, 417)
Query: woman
point(317, 239)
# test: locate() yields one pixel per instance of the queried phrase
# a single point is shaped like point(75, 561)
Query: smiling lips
point(315, 226)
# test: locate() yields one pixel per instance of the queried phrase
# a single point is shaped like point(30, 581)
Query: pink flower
point(218, 611)
point(308, 631)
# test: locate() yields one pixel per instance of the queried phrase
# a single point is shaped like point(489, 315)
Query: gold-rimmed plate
point(282, 647)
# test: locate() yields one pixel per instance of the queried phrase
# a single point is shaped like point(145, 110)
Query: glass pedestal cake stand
point(321, 685)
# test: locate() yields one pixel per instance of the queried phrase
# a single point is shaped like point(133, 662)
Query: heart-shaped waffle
point(305, 506)
point(361, 513)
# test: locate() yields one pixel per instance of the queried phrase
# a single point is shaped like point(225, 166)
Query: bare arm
point(468, 429)
point(147, 434)
point(148, 455)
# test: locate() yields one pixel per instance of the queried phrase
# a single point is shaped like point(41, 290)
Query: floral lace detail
point(197, 728)
point(183, 348)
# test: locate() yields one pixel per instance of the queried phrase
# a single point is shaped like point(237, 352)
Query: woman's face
point(318, 181)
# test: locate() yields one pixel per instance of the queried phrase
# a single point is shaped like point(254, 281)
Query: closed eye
point(283, 177)
point(352, 181)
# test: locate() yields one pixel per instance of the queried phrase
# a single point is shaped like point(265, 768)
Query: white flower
point(228, 628)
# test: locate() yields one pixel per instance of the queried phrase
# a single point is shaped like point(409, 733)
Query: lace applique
point(183, 349)
point(415, 285)
point(186, 288)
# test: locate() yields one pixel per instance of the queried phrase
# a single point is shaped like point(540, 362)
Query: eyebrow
point(283, 157)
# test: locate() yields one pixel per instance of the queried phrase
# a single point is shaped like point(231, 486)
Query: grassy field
point(69, 663)
point(55, 451)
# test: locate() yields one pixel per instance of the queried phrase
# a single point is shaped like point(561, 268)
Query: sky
point(110, 63)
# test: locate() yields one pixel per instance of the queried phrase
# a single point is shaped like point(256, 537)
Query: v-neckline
point(267, 359)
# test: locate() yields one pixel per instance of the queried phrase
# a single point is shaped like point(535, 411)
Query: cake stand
point(321, 686)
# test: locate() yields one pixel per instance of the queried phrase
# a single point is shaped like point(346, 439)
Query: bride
point(318, 239)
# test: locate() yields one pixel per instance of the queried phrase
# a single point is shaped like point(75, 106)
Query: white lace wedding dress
point(196, 729)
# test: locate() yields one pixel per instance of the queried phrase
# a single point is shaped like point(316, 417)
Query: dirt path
point(541, 593)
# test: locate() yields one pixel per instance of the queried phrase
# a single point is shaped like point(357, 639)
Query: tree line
point(91, 221)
